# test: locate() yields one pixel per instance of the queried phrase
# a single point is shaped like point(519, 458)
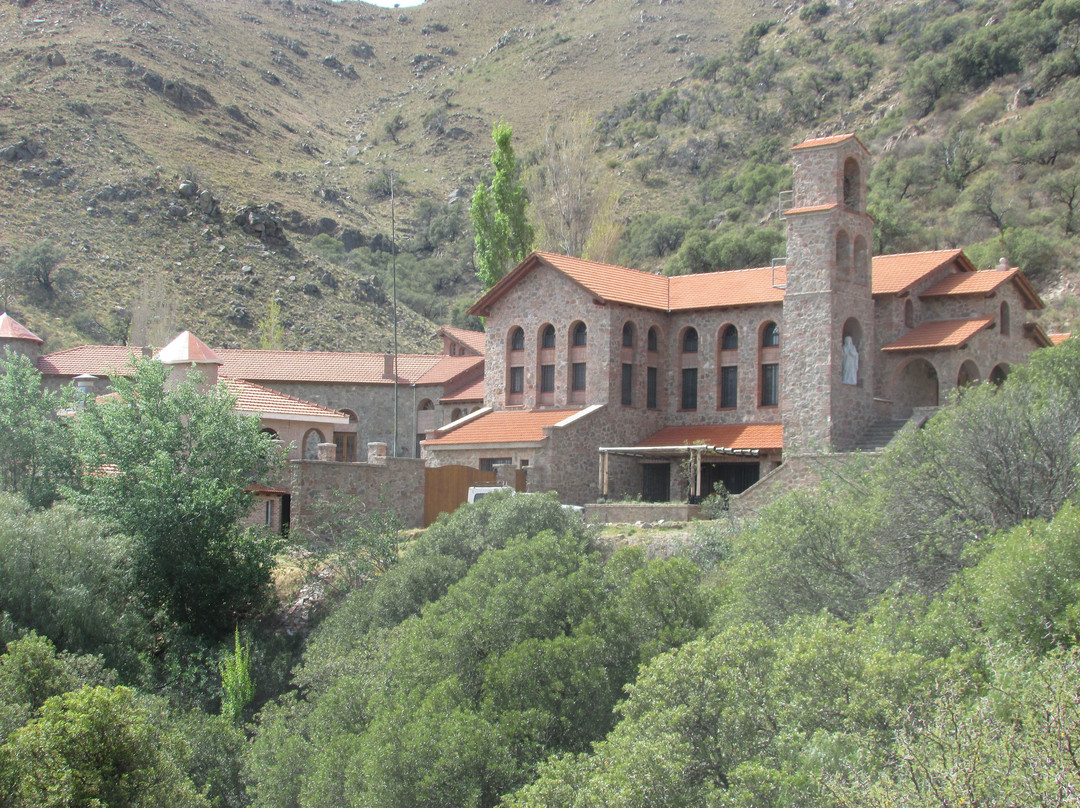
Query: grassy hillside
point(302, 110)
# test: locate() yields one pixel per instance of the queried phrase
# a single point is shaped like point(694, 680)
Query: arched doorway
point(914, 384)
point(998, 374)
point(968, 375)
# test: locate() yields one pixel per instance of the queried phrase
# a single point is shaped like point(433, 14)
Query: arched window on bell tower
point(853, 186)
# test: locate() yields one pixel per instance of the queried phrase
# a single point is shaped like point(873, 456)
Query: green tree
point(236, 685)
point(172, 468)
point(36, 451)
point(38, 267)
point(503, 233)
point(270, 328)
point(95, 747)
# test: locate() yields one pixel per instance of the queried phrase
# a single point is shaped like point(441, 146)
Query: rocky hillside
point(187, 164)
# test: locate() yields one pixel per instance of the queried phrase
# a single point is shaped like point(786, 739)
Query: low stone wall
point(631, 512)
point(397, 485)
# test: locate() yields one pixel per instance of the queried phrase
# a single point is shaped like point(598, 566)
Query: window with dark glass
point(517, 380)
point(577, 376)
point(770, 336)
point(547, 338)
point(580, 335)
point(689, 389)
point(770, 385)
point(628, 335)
point(689, 341)
point(547, 378)
point(730, 340)
point(652, 339)
point(650, 388)
point(517, 340)
point(627, 384)
point(729, 387)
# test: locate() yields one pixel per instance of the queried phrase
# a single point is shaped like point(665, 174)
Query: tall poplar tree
point(503, 233)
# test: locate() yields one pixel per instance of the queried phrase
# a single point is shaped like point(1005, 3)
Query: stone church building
point(603, 381)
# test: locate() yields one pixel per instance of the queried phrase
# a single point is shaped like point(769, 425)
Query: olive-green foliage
point(36, 451)
point(181, 462)
point(503, 233)
point(237, 688)
point(500, 641)
point(97, 746)
point(64, 575)
point(37, 269)
point(328, 247)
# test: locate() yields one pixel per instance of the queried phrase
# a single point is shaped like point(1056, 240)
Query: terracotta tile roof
point(185, 349)
point(265, 489)
point(450, 368)
point(503, 426)
point(765, 437)
point(812, 209)
point(970, 283)
point(893, 274)
point(737, 287)
point(1057, 339)
point(253, 399)
point(10, 328)
point(939, 334)
point(613, 283)
point(100, 360)
point(465, 395)
point(473, 339)
point(831, 140)
point(322, 366)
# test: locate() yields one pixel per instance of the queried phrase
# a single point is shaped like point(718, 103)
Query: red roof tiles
point(100, 360)
point(830, 140)
point(449, 368)
point(764, 437)
point(893, 274)
point(465, 395)
point(503, 426)
point(187, 348)
point(970, 283)
point(1057, 339)
point(472, 339)
point(737, 287)
point(254, 399)
point(10, 328)
point(939, 334)
point(323, 366)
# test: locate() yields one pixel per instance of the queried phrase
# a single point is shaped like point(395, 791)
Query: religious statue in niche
point(849, 370)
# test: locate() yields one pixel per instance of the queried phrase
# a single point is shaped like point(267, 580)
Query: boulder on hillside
point(25, 149)
point(261, 222)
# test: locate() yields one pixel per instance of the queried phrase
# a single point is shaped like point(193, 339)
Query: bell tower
point(826, 344)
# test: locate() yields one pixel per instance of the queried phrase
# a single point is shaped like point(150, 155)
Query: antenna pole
point(393, 264)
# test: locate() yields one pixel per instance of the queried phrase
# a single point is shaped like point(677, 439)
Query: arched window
point(728, 394)
point(626, 358)
point(853, 185)
point(843, 254)
point(862, 261)
point(581, 334)
point(517, 340)
point(1006, 324)
point(628, 335)
point(653, 340)
point(345, 439)
point(688, 362)
point(968, 375)
point(268, 431)
point(455, 414)
point(545, 365)
point(652, 371)
point(547, 337)
point(770, 336)
point(311, 444)
point(909, 314)
point(769, 366)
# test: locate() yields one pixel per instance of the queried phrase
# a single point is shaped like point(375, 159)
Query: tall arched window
point(688, 365)
point(626, 358)
point(769, 365)
point(515, 368)
point(345, 440)
point(311, 444)
point(861, 261)
point(652, 372)
point(853, 185)
point(578, 341)
point(628, 335)
point(728, 362)
point(545, 361)
point(909, 314)
point(1005, 320)
point(843, 254)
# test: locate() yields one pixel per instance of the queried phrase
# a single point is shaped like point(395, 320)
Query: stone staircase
point(878, 434)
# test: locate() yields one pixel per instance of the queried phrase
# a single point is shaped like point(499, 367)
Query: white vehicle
point(478, 492)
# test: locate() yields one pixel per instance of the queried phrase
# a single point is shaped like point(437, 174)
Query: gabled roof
point(830, 140)
point(1057, 339)
point(465, 395)
point(939, 334)
point(738, 437)
point(187, 349)
point(10, 328)
point(254, 399)
point(503, 426)
point(736, 287)
point(894, 274)
point(475, 340)
point(323, 366)
point(100, 360)
point(451, 368)
point(985, 282)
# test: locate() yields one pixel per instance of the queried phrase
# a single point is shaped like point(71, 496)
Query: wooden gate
point(447, 487)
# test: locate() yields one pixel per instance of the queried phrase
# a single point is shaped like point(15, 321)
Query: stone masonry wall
point(397, 485)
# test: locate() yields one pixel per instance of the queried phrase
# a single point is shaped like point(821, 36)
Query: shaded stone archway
point(914, 384)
